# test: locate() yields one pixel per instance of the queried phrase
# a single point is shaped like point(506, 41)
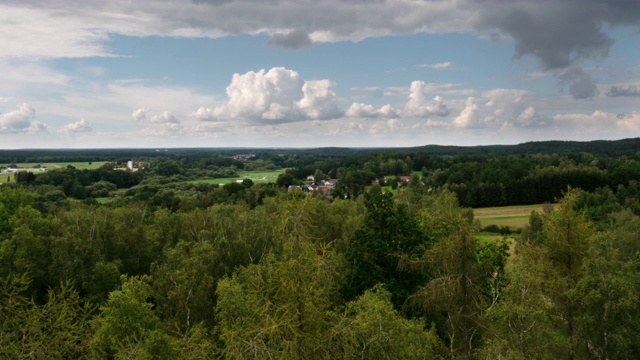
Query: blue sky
point(304, 73)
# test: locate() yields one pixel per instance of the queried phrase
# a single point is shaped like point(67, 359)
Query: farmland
point(257, 177)
point(511, 216)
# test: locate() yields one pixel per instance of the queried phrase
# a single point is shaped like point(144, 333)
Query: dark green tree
point(168, 167)
point(284, 180)
point(373, 254)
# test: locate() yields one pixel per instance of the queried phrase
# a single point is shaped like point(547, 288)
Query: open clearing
point(255, 176)
point(512, 216)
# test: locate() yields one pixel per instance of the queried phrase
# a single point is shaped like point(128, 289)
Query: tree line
point(479, 180)
point(480, 176)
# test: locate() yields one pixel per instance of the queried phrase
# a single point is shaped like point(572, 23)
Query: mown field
point(255, 176)
point(512, 216)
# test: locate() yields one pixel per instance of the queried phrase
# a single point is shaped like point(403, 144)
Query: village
point(326, 187)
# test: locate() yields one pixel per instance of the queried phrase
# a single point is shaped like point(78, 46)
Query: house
point(325, 187)
point(243, 156)
point(131, 166)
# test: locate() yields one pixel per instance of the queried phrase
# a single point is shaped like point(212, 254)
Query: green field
point(255, 176)
point(512, 216)
point(78, 165)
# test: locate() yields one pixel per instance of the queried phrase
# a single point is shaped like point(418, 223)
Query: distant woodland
point(386, 263)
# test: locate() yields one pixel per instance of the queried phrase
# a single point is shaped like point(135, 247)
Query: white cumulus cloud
point(78, 126)
point(511, 108)
point(318, 100)
point(164, 118)
point(500, 108)
point(157, 124)
point(275, 96)
point(139, 115)
point(469, 116)
point(359, 110)
point(530, 117)
point(17, 120)
point(421, 106)
point(385, 126)
point(206, 114)
point(38, 127)
point(165, 129)
point(600, 121)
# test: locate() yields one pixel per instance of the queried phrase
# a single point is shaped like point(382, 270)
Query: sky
point(316, 73)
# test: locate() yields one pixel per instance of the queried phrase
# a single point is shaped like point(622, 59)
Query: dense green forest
point(388, 264)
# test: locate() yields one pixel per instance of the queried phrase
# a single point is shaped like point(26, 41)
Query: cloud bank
point(623, 90)
point(560, 34)
point(557, 32)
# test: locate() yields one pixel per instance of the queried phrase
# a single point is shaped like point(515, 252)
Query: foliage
point(281, 307)
point(128, 325)
point(179, 269)
point(56, 329)
point(377, 331)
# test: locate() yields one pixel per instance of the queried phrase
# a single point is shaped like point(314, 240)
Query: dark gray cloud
point(211, 2)
point(293, 39)
point(561, 34)
point(623, 12)
point(556, 32)
point(581, 85)
point(623, 90)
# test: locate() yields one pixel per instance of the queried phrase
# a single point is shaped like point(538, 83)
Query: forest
point(390, 263)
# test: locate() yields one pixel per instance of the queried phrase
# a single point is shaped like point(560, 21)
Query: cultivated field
point(512, 216)
point(255, 176)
